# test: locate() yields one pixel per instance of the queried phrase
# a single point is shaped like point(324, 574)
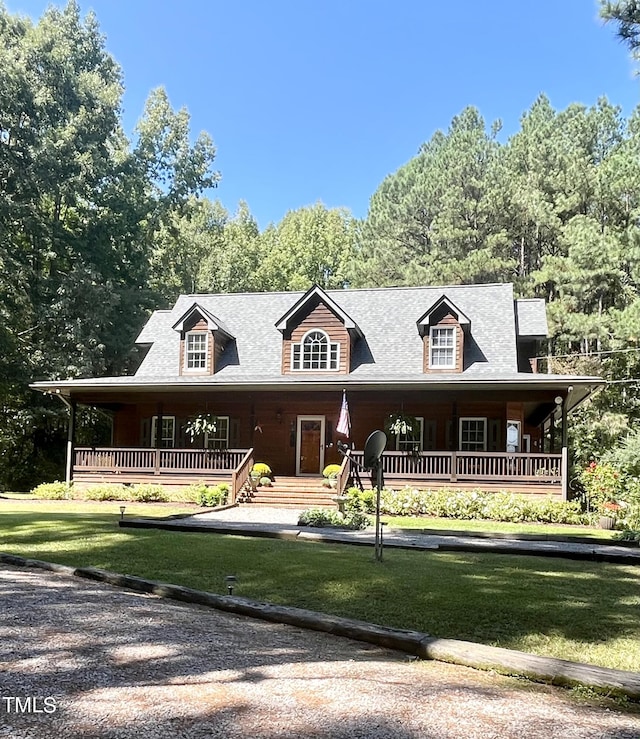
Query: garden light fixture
point(230, 581)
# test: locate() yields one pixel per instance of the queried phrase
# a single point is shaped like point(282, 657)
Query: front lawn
point(458, 524)
point(574, 610)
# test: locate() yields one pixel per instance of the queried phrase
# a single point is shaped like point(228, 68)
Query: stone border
point(506, 661)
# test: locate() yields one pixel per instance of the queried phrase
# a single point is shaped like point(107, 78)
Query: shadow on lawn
point(491, 598)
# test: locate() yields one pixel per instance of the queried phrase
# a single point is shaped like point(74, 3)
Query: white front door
point(310, 445)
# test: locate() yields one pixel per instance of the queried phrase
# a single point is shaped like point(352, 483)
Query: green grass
point(574, 610)
point(456, 524)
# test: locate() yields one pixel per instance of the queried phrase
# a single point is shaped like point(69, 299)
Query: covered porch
point(537, 474)
point(478, 435)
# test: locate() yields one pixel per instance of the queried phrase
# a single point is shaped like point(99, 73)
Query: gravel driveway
point(89, 660)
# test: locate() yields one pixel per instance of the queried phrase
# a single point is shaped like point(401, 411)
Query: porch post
point(71, 431)
point(157, 442)
point(565, 450)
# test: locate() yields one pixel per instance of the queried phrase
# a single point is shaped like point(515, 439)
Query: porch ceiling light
point(558, 400)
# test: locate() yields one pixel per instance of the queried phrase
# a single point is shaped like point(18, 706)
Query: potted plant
point(201, 425)
point(330, 473)
point(609, 514)
point(259, 471)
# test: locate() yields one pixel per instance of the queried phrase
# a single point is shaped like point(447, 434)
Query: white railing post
point(564, 473)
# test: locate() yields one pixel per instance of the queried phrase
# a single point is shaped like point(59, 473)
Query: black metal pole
point(378, 547)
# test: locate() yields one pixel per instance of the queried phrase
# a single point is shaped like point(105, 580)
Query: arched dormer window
point(315, 352)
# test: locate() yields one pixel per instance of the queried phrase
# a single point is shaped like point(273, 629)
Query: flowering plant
point(602, 486)
point(611, 506)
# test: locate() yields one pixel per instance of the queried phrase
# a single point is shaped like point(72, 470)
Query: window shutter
point(493, 444)
point(429, 435)
point(145, 432)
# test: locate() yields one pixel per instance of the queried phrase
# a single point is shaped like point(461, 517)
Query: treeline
point(96, 230)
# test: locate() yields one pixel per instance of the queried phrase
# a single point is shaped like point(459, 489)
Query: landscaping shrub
point(266, 482)
point(53, 491)
point(210, 495)
point(360, 501)
point(148, 493)
point(323, 517)
point(602, 484)
point(107, 492)
point(477, 504)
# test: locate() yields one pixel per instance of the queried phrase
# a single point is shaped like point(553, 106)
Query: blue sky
point(319, 101)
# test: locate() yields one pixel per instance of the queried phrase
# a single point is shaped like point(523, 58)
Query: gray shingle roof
point(391, 349)
point(531, 318)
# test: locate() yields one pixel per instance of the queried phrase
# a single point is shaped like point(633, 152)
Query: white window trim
point(452, 365)
point(206, 436)
point(420, 421)
point(196, 370)
point(484, 425)
point(154, 424)
point(330, 346)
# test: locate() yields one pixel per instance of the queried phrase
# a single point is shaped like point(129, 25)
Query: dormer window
point(196, 351)
point(315, 352)
point(442, 347)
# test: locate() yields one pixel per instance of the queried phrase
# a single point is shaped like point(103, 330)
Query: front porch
point(528, 473)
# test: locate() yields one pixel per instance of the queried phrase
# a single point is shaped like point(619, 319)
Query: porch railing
point(158, 461)
point(480, 466)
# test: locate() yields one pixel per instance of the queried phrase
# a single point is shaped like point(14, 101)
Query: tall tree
point(312, 245)
point(78, 210)
point(434, 219)
point(626, 13)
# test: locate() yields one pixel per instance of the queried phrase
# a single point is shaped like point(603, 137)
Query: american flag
point(344, 422)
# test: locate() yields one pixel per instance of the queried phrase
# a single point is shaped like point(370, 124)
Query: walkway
point(282, 523)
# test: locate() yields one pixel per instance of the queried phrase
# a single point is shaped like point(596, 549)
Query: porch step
point(292, 492)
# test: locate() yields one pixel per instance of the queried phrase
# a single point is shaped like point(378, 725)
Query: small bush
point(148, 493)
point(360, 501)
point(476, 504)
point(325, 518)
point(265, 482)
point(53, 491)
point(261, 469)
point(107, 492)
point(212, 496)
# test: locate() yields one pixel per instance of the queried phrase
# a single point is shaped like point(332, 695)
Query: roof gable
point(213, 323)
point(440, 307)
point(311, 297)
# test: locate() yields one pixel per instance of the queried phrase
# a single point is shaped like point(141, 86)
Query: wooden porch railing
point(158, 461)
point(480, 466)
point(241, 475)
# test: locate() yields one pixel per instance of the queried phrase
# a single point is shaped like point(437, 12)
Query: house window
point(167, 432)
point(196, 350)
point(442, 347)
point(412, 441)
point(218, 439)
point(315, 352)
point(473, 434)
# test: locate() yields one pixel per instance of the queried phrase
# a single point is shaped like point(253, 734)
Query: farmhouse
point(454, 367)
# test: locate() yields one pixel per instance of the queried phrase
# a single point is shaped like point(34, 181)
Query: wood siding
point(319, 317)
point(213, 352)
point(267, 421)
point(448, 321)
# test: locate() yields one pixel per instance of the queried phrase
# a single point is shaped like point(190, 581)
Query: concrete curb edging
point(506, 661)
